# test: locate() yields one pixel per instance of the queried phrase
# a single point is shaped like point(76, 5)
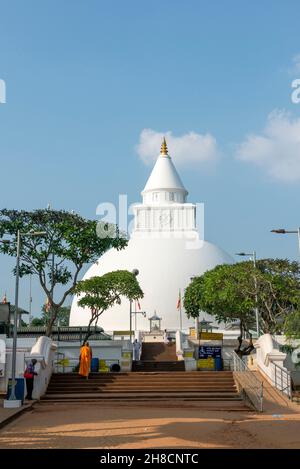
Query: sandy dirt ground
point(99, 426)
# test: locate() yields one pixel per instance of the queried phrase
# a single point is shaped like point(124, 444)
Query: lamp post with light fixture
point(253, 255)
point(283, 231)
point(12, 400)
point(135, 272)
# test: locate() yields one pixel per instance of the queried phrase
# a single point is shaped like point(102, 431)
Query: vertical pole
point(130, 319)
point(197, 327)
point(52, 282)
point(30, 298)
point(180, 310)
point(256, 299)
point(14, 351)
point(261, 396)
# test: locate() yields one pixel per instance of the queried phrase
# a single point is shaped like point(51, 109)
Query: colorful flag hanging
point(179, 300)
point(47, 305)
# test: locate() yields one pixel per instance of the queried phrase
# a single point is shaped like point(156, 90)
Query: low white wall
point(267, 356)
point(185, 351)
point(43, 351)
point(179, 345)
point(24, 347)
point(112, 351)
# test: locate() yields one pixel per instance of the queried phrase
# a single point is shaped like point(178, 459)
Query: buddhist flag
point(47, 305)
point(179, 300)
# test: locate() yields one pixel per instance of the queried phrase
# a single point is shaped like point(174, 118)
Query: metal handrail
point(252, 387)
point(284, 383)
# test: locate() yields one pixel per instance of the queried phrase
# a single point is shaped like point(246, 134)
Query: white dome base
point(165, 266)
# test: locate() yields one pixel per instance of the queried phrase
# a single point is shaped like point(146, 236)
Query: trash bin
point(218, 364)
point(19, 389)
point(115, 367)
point(95, 365)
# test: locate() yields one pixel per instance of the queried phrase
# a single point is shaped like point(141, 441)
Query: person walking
point(85, 359)
point(166, 339)
point(136, 350)
point(29, 376)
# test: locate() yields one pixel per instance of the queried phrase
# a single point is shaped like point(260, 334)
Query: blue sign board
point(206, 351)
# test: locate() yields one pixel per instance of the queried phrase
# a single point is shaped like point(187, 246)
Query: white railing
point(270, 361)
point(249, 384)
point(282, 380)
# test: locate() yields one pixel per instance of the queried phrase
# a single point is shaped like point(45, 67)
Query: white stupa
point(166, 249)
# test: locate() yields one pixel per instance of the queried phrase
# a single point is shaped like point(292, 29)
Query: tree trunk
point(53, 316)
point(89, 332)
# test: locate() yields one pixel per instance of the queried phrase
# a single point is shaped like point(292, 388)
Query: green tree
point(38, 322)
point(292, 325)
point(63, 316)
point(227, 292)
point(58, 257)
point(231, 292)
point(278, 292)
point(100, 293)
point(62, 319)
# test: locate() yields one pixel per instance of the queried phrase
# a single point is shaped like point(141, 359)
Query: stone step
point(138, 378)
point(185, 374)
point(152, 395)
point(149, 379)
point(142, 383)
point(158, 351)
point(143, 391)
point(230, 405)
point(142, 386)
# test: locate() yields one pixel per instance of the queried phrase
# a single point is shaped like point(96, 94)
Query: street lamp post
point(14, 402)
point(283, 231)
point(135, 313)
point(253, 255)
point(135, 272)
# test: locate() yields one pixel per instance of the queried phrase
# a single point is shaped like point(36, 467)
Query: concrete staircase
point(135, 387)
point(157, 356)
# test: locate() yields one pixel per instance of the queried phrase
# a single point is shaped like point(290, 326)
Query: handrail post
point(261, 396)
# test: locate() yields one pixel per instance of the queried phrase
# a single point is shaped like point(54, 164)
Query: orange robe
point(85, 360)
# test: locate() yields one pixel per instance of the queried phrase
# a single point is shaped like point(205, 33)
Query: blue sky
point(84, 79)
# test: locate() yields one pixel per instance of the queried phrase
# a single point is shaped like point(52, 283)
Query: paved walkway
point(152, 425)
point(7, 415)
point(95, 425)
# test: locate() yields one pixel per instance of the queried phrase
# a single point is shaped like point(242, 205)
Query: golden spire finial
point(164, 148)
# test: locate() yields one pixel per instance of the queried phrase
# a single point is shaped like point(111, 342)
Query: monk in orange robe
point(85, 360)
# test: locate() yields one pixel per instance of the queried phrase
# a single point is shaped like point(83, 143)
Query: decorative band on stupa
point(164, 148)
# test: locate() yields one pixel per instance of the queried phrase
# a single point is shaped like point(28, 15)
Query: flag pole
point(180, 311)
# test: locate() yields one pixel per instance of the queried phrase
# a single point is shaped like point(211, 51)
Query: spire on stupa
point(4, 299)
point(164, 148)
point(164, 180)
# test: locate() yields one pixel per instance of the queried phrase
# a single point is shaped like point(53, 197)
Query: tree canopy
point(100, 293)
point(57, 258)
point(231, 292)
point(292, 325)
